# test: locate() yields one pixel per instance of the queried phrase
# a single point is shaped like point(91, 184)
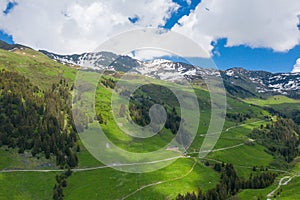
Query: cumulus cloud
point(151, 43)
point(65, 26)
point(297, 66)
point(269, 23)
point(3, 4)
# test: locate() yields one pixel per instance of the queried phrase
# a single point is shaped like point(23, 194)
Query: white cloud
point(256, 23)
point(3, 4)
point(148, 54)
point(153, 41)
point(65, 26)
point(297, 66)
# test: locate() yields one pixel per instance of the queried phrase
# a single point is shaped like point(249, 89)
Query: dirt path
point(88, 168)
point(221, 149)
point(226, 148)
point(159, 182)
point(283, 181)
point(244, 125)
point(226, 130)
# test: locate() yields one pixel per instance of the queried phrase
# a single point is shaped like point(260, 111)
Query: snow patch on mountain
point(279, 83)
point(260, 81)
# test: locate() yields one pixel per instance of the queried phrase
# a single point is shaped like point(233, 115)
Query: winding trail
point(283, 181)
point(232, 127)
point(159, 182)
point(226, 148)
point(221, 149)
point(245, 124)
point(88, 168)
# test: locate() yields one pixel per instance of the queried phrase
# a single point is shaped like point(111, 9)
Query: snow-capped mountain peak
point(251, 83)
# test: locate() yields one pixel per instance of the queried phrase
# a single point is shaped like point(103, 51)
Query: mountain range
point(238, 81)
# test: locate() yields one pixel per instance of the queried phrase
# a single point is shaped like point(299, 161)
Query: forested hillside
point(35, 120)
point(280, 137)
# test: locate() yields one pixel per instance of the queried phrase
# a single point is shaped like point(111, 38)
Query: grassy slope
point(291, 191)
point(41, 70)
point(115, 134)
point(112, 184)
point(279, 103)
point(26, 185)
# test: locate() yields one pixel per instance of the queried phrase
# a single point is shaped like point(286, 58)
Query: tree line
point(61, 183)
point(230, 184)
point(240, 117)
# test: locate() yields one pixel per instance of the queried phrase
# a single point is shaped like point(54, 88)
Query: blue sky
point(254, 58)
point(224, 57)
point(4, 36)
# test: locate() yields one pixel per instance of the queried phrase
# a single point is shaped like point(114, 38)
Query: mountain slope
point(34, 65)
point(238, 82)
point(97, 61)
point(264, 82)
point(6, 46)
